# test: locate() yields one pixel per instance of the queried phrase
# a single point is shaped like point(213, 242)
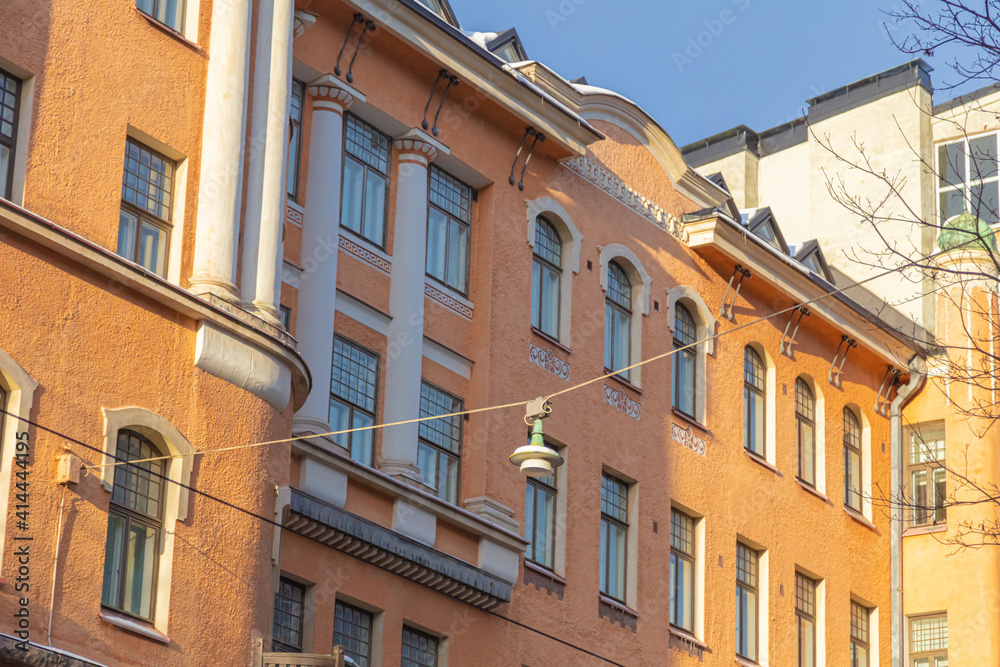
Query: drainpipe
point(918, 374)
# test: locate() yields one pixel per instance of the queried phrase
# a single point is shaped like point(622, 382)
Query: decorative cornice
point(617, 188)
point(365, 255)
point(331, 94)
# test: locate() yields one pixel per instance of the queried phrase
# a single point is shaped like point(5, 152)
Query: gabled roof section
point(761, 222)
point(507, 46)
point(810, 255)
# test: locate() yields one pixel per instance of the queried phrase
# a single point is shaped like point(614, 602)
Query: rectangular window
point(967, 179)
point(353, 388)
point(289, 606)
point(285, 316)
point(366, 180)
point(614, 536)
point(929, 641)
point(747, 561)
point(439, 450)
point(144, 221)
point(419, 649)
point(859, 635)
point(295, 140)
point(352, 630)
point(448, 232)
point(10, 109)
point(168, 12)
point(927, 476)
point(805, 616)
point(540, 520)
point(682, 557)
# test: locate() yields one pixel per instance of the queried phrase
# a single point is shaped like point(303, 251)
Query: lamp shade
point(536, 459)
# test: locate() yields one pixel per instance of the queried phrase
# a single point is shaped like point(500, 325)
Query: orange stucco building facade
point(339, 215)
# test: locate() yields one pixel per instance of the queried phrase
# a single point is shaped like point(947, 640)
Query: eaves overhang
point(718, 234)
point(450, 48)
point(387, 549)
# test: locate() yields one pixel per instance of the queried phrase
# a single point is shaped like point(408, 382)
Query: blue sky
point(703, 67)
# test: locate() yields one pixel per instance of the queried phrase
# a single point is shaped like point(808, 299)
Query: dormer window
point(507, 46)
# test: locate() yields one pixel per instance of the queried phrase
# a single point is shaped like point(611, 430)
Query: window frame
point(130, 516)
point(968, 180)
point(690, 354)
point(536, 486)
point(165, 225)
point(691, 558)
point(352, 407)
point(856, 639)
point(609, 521)
point(803, 615)
point(431, 640)
point(752, 587)
point(294, 166)
point(853, 444)
point(759, 394)
point(181, 11)
point(931, 654)
point(609, 336)
point(803, 420)
point(7, 187)
point(930, 467)
point(365, 167)
point(441, 450)
point(278, 644)
point(340, 604)
point(544, 264)
point(466, 224)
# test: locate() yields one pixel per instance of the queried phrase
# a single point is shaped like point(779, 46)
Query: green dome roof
point(962, 232)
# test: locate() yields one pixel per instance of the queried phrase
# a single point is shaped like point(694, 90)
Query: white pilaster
point(406, 306)
point(221, 151)
point(268, 153)
point(320, 238)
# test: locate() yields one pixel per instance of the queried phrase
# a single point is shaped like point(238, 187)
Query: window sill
point(746, 662)
point(924, 530)
point(761, 461)
point(170, 32)
point(541, 569)
point(544, 579)
point(133, 625)
point(690, 420)
point(551, 339)
point(615, 611)
point(806, 486)
point(622, 381)
point(860, 518)
point(689, 638)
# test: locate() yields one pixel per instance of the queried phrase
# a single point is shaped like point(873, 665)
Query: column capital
point(303, 21)
point(418, 146)
point(331, 94)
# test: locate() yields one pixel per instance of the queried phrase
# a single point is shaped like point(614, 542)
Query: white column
point(268, 154)
point(221, 151)
point(406, 306)
point(320, 239)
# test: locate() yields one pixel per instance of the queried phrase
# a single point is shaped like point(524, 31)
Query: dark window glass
point(144, 219)
point(805, 419)
point(682, 559)
point(419, 649)
point(614, 536)
point(439, 450)
point(618, 321)
point(10, 109)
point(366, 180)
point(852, 460)
point(168, 12)
point(353, 388)
point(448, 230)
point(685, 335)
point(754, 401)
point(352, 630)
point(546, 277)
point(295, 140)
point(540, 520)
point(289, 606)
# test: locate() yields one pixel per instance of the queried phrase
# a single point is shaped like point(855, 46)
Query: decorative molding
point(416, 149)
point(331, 94)
point(448, 301)
point(303, 21)
point(293, 214)
point(617, 398)
point(617, 613)
point(365, 255)
point(548, 360)
point(544, 580)
point(686, 437)
point(617, 188)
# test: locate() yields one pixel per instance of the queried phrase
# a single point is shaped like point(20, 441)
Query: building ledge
point(385, 548)
point(685, 641)
point(615, 611)
point(761, 461)
point(814, 491)
point(861, 518)
point(924, 530)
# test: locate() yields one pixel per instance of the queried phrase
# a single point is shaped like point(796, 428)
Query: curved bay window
point(852, 460)
point(684, 361)
point(805, 419)
point(618, 320)
point(135, 524)
point(754, 389)
point(546, 275)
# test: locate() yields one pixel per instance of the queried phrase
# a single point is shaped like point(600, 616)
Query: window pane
point(609, 337)
point(754, 421)
point(616, 562)
point(951, 164)
point(852, 478)
point(288, 611)
point(153, 249)
point(353, 195)
point(940, 495)
point(536, 294)
point(983, 154)
point(684, 382)
point(550, 302)
point(984, 202)
point(547, 502)
point(5, 166)
point(919, 496)
point(427, 462)
point(128, 223)
point(807, 643)
point(352, 629)
point(140, 556)
point(375, 189)
point(529, 521)
point(437, 237)
point(450, 468)
point(458, 255)
point(952, 203)
point(682, 595)
point(361, 441)
point(419, 649)
point(114, 550)
point(622, 338)
point(340, 420)
point(807, 452)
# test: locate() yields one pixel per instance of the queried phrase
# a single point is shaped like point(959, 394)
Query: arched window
point(618, 320)
point(805, 418)
point(135, 524)
point(754, 395)
point(546, 276)
point(852, 460)
point(685, 334)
